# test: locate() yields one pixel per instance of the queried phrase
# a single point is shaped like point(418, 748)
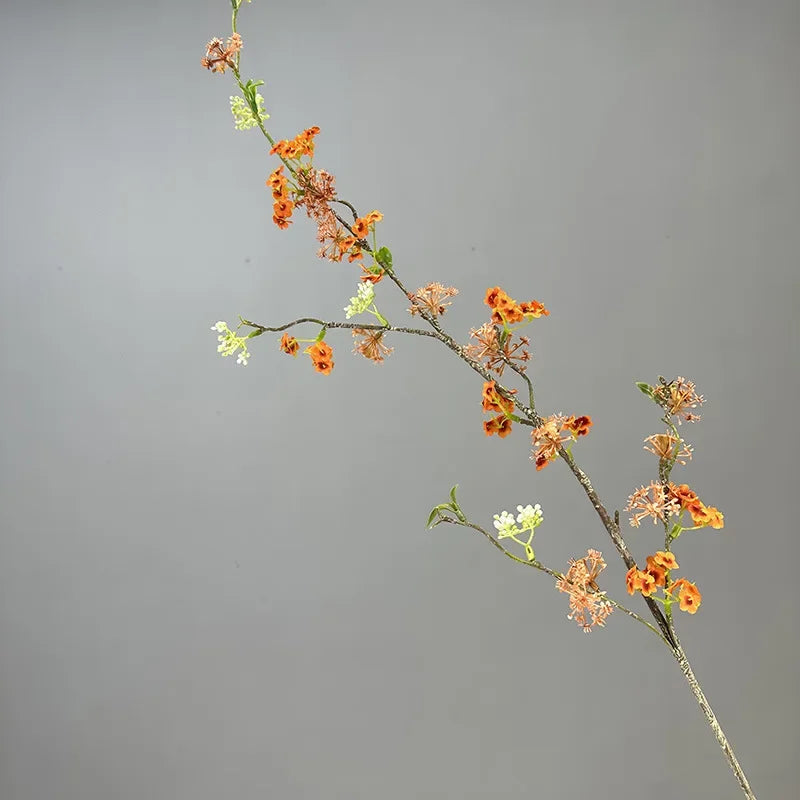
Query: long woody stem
point(713, 722)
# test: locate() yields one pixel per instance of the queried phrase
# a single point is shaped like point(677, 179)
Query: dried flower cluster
point(588, 605)
point(677, 398)
point(432, 298)
point(218, 56)
point(554, 432)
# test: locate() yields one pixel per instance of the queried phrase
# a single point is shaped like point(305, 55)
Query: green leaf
point(384, 257)
point(453, 495)
point(645, 388)
point(437, 510)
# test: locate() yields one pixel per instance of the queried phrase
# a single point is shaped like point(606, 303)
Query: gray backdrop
point(215, 581)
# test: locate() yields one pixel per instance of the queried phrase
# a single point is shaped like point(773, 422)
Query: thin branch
point(553, 573)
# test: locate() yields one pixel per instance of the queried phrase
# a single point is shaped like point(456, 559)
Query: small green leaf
point(453, 495)
point(645, 388)
point(384, 257)
point(438, 510)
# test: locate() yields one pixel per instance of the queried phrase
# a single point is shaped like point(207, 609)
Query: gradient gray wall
point(215, 581)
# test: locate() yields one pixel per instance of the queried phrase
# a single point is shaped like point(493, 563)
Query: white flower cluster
point(229, 343)
point(362, 301)
point(243, 117)
point(527, 520)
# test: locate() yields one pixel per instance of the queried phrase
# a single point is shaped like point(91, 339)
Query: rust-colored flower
point(433, 298)
point(651, 501)
point(677, 398)
point(588, 605)
point(277, 180)
point(683, 495)
point(666, 447)
point(281, 222)
point(361, 228)
point(369, 276)
point(219, 57)
point(289, 344)
point(688, 595)
point(501, 425)
point(534, 309)
point(577, 426)
point(321, 357)
point(371, 345)
point(301, 145)
point(494, 401)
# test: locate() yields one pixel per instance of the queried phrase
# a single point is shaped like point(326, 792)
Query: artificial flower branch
point(552, 436)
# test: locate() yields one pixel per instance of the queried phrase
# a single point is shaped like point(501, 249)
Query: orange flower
point(281, 222)
point(534, 309)
point(361, 228)
point(577, 426)
point(283, 208)
point(289, 344)
point(373, 216)
point(638, 580)
point(277, 179)
point(494, 401)
point(656, 572)
point(665, 559)
point(706, 516)
point(501, 425)
point(369, 275)
point(504, 309)
point(683, 494)
point(321, 356)
point(688, 595)
point(286, 148)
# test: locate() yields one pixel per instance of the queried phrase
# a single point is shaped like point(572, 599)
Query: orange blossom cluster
point(503, 406)
point(654, 576)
